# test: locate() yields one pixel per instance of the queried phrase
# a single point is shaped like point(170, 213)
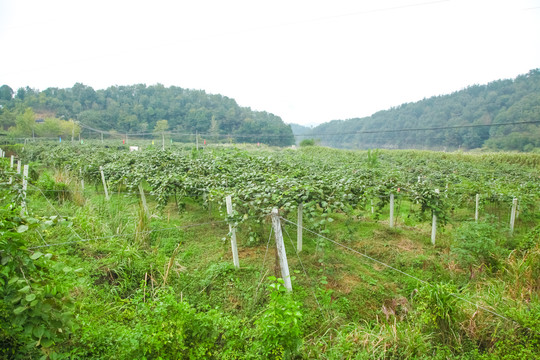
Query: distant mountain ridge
point(462, 114)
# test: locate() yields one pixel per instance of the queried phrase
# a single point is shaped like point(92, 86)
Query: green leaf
point(19, 310)
point(36, 255)
point(22, 228)
point(25, 289)
point(5, 259)
point(46, 343)
point(38, 331)
point(30, 297)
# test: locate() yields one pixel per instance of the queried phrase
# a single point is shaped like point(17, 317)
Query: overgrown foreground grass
point(126, 284)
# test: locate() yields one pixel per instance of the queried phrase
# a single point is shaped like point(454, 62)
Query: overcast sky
point(306, 61)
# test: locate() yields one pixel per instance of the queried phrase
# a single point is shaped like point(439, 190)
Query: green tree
point(6, 93)
point(25, 124)
point(7, 119)
point(161, 126)
point(50, 128)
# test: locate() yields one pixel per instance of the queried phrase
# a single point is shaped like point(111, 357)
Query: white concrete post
point(143, 200)
point(232, 230)
point(283, 264)
point(11, 167)
point(104, 183)
point(391, 210)
point(513, 214)
point(434, 225)
point(24, 210)
point(299, 228)
point(476, 208)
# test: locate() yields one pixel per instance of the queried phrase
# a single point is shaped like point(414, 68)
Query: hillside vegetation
point(90, 274)
point(470, 111)
point(138, 109)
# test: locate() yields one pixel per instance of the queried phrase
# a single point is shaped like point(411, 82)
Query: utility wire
point(315, 134)
point(57, 213)
point(421, 129)
point(409, 275)
point(305, 271)
point(263, 263)
point(131, 234)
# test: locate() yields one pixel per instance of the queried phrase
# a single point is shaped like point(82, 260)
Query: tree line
point(139, 109)
point(469, 116)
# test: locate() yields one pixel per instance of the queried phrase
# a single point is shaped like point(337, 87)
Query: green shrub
point(476, 244)
point(530, 240)
point(278, 329)
point(439, 311)
point(34, 310)
point(152, 325)
point(52, 189)
point(307, 142)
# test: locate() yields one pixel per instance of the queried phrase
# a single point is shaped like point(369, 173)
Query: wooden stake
point(18, 166)
point(299, 228)
point(284, 265)
point(232, 230)
point(513, 214)
point(104, 183)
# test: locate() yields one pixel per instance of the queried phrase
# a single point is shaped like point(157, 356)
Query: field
point(144, 269)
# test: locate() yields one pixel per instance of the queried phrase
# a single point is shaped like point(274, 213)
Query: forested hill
point(138, 108)
point(502, 101)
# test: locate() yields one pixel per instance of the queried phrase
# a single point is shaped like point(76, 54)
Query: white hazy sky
point(308, 61)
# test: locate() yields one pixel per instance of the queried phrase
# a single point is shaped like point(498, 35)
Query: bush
point(476, 244)
point(34, 310)
point(440, 312)
point(280, 335)
point(307, 142)
point(52, 189)
point(154, 325)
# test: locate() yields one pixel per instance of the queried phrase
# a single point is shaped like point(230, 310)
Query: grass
point(353, 306)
